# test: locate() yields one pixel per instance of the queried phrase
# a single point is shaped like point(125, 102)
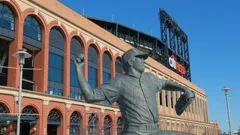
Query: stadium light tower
point(21, 55)
point(226, 90)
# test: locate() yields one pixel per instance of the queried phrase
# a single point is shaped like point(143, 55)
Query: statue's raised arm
point(89, 94)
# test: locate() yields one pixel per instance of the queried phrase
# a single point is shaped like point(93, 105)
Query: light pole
point(21, 55)
point(225, 89)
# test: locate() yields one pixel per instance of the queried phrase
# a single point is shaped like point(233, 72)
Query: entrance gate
point(28, 118)
point(75, 124)
point(54, 121)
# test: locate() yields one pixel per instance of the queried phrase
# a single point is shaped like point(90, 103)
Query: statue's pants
point(147, 129)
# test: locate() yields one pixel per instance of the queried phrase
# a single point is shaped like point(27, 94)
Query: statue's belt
point(143, 126)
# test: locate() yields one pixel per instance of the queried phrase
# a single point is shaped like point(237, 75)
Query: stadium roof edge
point(116, 23)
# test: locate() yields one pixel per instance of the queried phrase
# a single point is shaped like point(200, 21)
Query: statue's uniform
point(137, 101)
point(136, 97)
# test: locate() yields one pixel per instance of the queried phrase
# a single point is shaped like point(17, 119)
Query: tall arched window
point(92, 67)
point(118, 67)
point(31, 42)
point(75, 124)
point(106, 71)
point(74, 87)
point(6, 17)
point(32, 28)
point(106, 67)
point(107, 125)
point(92, 124)
point(55, 66)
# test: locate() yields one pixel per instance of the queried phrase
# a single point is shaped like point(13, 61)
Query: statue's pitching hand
point(184, 101)
point(79, 62)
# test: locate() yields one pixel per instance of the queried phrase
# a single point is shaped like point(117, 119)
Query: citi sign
point(176, 65)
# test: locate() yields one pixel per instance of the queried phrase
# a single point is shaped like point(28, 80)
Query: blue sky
point(213, 29)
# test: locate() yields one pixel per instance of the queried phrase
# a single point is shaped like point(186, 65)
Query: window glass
point(118, 67)
point(6, 17)
point(75, 51)
point(55, 68)
point(106, 71)
point(55, 65)
point(56, 39)
point(92, 67)
point(92, 77)
point(32, 28)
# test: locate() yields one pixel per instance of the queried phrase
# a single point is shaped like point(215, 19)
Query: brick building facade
point(54, 34)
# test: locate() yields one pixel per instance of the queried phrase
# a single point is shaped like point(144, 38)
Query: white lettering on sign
point(176, 65)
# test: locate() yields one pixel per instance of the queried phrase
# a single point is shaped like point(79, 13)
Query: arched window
point(75, 124)
point(29, 112)
point(119, 126)
point(5, 117)
point(106, 71)
point(54, 121)
point(92, 124)
point(75, 51)
point(6, 17)
point(32, 28)
point(55, 65)
point(107, 125)
point(106, 68)
point(3, 108)
point(92, 67)
point(29, 117)
point(118, 67)
point(54, 117)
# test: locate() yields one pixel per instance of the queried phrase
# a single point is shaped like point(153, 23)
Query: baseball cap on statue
point(133, 53)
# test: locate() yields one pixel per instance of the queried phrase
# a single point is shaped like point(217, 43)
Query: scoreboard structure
point(171, 50)
point(177, 42)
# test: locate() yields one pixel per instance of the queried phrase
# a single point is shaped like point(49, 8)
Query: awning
point(56, 123)
point(27, 119)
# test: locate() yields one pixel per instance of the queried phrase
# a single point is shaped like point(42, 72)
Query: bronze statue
point(135, 93)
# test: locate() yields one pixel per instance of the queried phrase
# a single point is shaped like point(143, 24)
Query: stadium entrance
point(8, 121)
point(54, 122)
point(25, 129)
point(28, 120)
point(52, 129)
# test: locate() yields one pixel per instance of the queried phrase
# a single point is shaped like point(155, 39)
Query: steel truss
point(176, 40)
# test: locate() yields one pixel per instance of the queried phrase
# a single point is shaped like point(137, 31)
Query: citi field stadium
point(52, 104)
